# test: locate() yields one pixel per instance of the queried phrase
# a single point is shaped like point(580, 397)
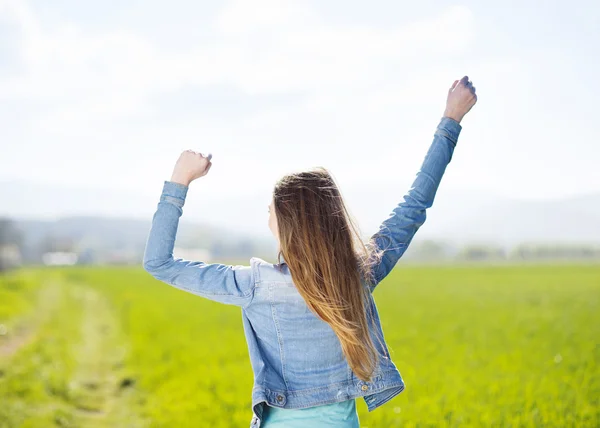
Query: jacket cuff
point(449, 128)
point(174, 192)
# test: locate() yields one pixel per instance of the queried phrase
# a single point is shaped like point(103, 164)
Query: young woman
point(312, 327)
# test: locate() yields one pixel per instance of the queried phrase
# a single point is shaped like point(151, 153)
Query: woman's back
point(297, 358)
point(307, 347)
point(295, 341)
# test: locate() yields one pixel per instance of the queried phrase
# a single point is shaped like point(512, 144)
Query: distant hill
point(121, 219)
point(111, 235)
point(511, 221)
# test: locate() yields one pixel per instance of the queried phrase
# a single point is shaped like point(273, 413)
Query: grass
point(477, 346)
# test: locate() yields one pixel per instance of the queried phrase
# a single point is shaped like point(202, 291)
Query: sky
point(106, 95)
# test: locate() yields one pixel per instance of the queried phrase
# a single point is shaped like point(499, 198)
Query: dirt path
point(24, 331)
point(98, 392)
point(99, 386)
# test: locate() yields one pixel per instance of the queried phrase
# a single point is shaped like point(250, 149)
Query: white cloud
point(244, 16)
point(80, 70)
point(357, 83)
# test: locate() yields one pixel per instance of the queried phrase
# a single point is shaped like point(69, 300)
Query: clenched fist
point(190, 166)
point(461, 97)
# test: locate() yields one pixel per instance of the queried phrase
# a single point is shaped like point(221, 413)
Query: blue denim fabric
point(296, 358)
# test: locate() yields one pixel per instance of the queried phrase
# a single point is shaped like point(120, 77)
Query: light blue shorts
point(340, 415)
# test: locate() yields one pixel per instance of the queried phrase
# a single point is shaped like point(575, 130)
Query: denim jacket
point(296, 357)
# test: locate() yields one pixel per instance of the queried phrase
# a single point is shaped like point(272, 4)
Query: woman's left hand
point(190, 166)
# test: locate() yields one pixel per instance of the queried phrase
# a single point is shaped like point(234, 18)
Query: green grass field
point(477, 346)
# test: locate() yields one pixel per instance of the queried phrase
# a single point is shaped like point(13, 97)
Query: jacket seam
point(250, 294)
point(208, 293)
point(195, 291)
point(357, 394)
point(254, 262)
point(445, 133)
point(252, 290)
point(402, 387)
point(279, 337)
point(299, 392)
point(255, 279)
point(174, 200)
point(244, 295)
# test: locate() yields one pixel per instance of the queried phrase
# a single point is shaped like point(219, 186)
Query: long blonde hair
point(322, 247)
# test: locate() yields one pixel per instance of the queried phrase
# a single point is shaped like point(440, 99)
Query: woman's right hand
point(461, 97)
point(190, 166)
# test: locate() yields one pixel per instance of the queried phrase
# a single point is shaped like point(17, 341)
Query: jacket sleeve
point(223, 283)
point(398, 230)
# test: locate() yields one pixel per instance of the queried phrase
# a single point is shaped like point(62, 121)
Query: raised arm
point(398, 230)
point(223, 283)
